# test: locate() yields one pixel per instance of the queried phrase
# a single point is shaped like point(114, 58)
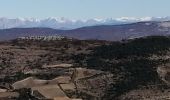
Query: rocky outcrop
point(82, 81)
point(164, 73)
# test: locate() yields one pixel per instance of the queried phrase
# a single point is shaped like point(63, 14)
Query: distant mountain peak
point(64, 23)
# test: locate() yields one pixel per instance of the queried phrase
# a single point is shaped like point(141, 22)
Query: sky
point(84, 9)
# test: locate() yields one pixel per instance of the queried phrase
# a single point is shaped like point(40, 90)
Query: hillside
point(101, 32)
point(136, 69)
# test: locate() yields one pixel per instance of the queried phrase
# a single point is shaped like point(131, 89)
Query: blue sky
point(84, 9)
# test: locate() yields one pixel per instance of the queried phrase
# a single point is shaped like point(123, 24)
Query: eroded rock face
point(164, 74)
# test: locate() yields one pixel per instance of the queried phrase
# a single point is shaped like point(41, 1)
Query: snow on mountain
point(64, 23)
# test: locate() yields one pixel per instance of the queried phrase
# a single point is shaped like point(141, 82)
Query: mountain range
point(66, 24)
point(99, 32)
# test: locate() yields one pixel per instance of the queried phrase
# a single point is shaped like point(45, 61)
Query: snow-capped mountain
point(63, 23)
